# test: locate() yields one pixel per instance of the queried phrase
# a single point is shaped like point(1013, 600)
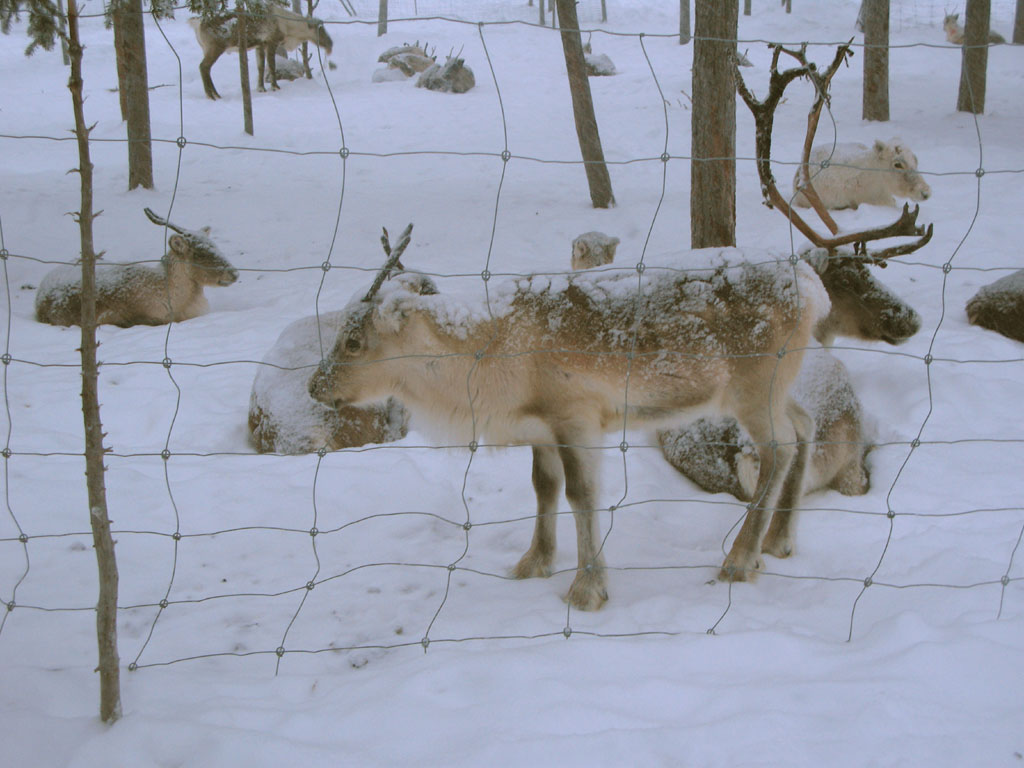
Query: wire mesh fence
point(226, 552)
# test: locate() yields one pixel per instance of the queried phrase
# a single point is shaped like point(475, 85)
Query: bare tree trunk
point(974, 60)
point(106, 607)
point(133, 87)
point(1018, 24)
point(604, 10)
point(746, 7)
point(713, 125)
point(583, 107)
point(382, 18)
point(789, 5)
point(540, 7)
point(876, 60)
point(243, 66)
point(684, 22)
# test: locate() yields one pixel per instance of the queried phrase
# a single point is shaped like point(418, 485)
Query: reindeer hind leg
point(778, 541)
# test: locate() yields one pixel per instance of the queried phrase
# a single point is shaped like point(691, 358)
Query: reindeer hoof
point(588, 592)
point(739, 569)
point(532, 566)
point(781, 548)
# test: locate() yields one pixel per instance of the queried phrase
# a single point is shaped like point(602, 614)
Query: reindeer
point(955, 32)
point(555, 362)
point(280, 27)
point(138, 294)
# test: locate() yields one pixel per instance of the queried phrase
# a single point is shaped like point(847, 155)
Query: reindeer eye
point(353, 344)
point(898, 165)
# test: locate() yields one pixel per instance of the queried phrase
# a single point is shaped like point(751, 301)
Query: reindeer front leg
point(775, 439)
point(261, 60)
point(778, 540)
point(547, 483)
point(589, 589)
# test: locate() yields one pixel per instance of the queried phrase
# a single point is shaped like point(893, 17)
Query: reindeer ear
point(177, 244)
point(880, 147)
point(418, 284)
point(205, 230)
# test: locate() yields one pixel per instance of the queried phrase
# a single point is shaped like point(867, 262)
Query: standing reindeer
point(280, 27)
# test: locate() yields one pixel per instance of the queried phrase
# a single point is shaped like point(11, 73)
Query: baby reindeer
point(139, 294)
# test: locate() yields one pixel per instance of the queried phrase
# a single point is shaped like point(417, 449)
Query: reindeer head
point(902, 163)
point(862, 306)
point(197, 251)
point(346, 376)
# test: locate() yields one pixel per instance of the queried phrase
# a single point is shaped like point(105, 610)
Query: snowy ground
point(931, 674)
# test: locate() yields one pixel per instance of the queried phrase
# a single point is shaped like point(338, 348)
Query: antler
point(392, 261)
point(764, 117)
point(161, 222)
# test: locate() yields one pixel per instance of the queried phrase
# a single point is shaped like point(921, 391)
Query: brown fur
point(562, 362)
point(281, 27)
point(139, 294)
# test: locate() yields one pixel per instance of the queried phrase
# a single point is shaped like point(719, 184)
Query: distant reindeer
point(139, 294)
point(955, 32)
point(280, 27)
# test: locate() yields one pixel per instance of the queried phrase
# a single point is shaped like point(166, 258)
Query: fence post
point(106, 606)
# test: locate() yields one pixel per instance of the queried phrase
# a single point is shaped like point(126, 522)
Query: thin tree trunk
point(382, 18)
point(540, 8)
point(133, 87)
point(974, 60)
point(106, 607)
point(1018, 24)
point(876, 60)
point(63, 34)
point(713, 125)
point(604, 10)
point(243, 67)
point(746, 7)
point(583, 107)
point(684, 22)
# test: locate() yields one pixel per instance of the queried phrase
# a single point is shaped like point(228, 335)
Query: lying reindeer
point(140, 294)
point(280, 27)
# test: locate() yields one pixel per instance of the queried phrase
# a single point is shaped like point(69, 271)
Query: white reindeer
point(140, 294)
point(850, 174)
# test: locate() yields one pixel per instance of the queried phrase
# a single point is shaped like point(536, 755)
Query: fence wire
point(318, 531)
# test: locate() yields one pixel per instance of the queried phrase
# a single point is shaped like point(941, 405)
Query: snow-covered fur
point(719, 456)
point(999, 306)
point(593, 249)
point(280, 27)
point(555, 362)
point(283, 418)
point(862, 306)
point(955, 32)
point(451, 77)
point(847, 175)
point(138, 293)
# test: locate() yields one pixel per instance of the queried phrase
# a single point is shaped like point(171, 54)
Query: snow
point(807, 666)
